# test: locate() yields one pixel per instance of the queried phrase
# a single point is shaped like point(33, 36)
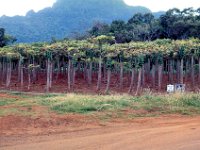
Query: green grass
point(146, 105)
point(7, 101)
point(71, 103)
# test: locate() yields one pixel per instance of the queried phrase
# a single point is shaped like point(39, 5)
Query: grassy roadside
point(146, 105)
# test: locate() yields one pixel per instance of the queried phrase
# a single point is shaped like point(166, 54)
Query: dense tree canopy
point(2, 42)
point(174, 24)
point(5, 39)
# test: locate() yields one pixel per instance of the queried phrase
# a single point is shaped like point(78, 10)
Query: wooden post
point(132, 80)
point(99, 74)
point(139, 82)
point(108, 80)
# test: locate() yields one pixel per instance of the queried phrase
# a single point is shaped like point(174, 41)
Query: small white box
point(170, 88)
point(180, 88)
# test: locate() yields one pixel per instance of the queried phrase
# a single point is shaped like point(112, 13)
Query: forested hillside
point(65, 18)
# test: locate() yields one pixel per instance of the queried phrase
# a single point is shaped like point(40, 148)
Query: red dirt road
point(162, 133)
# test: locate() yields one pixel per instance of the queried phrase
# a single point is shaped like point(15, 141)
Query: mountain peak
point(65, 17)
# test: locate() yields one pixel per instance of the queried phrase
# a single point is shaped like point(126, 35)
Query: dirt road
point(163, 133)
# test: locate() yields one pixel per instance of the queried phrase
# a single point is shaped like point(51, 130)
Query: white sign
point(170, 88)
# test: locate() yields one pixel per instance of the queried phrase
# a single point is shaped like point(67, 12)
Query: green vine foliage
point(140, 61)
point(48, 55)
point(132, 61)
point(154, 58)
point(197, 52)
point(109, 63)
point(181, 53)
point(160, 58)
point(89, 50)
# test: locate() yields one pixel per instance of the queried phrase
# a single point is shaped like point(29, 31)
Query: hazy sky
point(158, 5)
point(20, 7)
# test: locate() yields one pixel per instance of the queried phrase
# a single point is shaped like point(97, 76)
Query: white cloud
point(158, 5)
point(20, 7)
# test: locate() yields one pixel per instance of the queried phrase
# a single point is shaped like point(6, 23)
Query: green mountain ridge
point(66, 17)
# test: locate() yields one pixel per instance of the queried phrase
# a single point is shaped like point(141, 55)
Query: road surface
point(163, 133)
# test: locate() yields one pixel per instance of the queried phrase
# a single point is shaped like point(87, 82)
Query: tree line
point(6, 39)
point(174, 24)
